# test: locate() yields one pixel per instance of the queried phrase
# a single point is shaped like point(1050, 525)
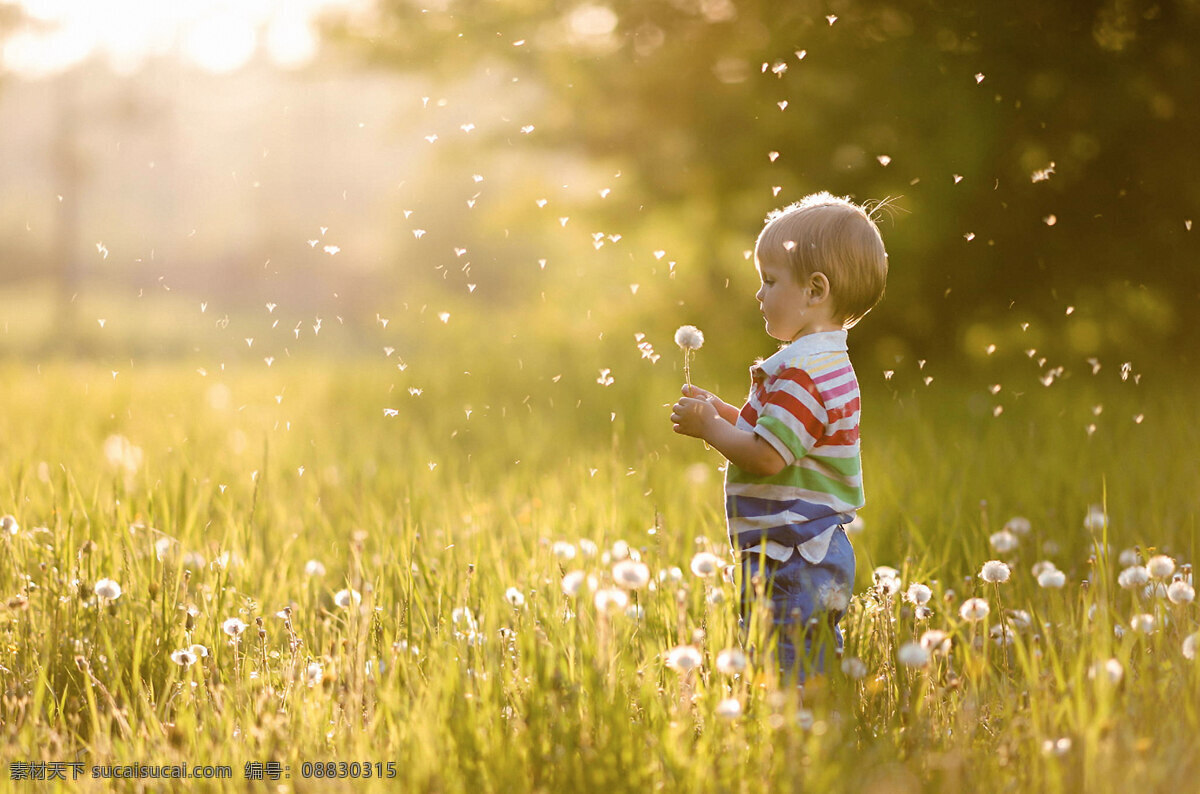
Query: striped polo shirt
point(804, 402)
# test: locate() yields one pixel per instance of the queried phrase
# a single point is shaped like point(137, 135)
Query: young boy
point(794, 477)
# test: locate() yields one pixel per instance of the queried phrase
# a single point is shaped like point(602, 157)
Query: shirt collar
point(807, 345)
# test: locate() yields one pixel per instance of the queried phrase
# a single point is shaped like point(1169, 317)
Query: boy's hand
point(697, 393)
point(693, 416)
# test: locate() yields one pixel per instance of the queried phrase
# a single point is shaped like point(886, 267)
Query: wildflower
point(1189, 646)
point(183, 657)
point(571, 583)
point(689, 339)
point(347, 597)
point(1111, 669)
point(834, 597)
point(610, 599)
point(1180, 592)
point(108, 590)
point(994, 572)
point(233, 627)
point(887, 580)
point(936, 641)
point(314, 568)
point(1133, 576)
point(515, 597)
point(913, 654)
point(731, 661)
point(1096, 519)
point(705, 564)
point(974, 609)
point(854, 667)
point(563, 551)
point(314, 674)
point(1143, 624)
point(631, 574)
point(684, 658)
point(729, 708)
point(1052, 579)
point(918, 594)
point(1004, 541)
point(1160, 566)
point(9, 524)
point(1018, 525)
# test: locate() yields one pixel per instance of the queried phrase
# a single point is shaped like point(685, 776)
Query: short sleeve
point(793, 416)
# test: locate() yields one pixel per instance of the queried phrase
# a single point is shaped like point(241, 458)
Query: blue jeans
point(797, 591)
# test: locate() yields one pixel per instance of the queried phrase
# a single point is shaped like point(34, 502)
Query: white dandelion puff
point(1142, 624)
point(314, 568)
point(1180, 592)
point(610, 600)
point(1018, 525)
point(108, 590)
point(1189, 646)
point(705, 564)
point(690, 339)
point(994, 572)
point(918, 594)
point(347, 597)
point(1052, 579)
point(854, 667)
point(631, 574)
point(9, 524)
point(913, 654)
point(314, 674)
point(731, 661)
point(1096, 519)
point(199, 651)
point(183, 657)
point(684, 658)
point(1132, 577)
point(1160, 566)
point(571, 583)
point(1111, 669)
point(974, 609)
point(233, 627)
point(729, 708)
point(1004, 541)
point(563, 551)
point(936, 641)
point(515, 597)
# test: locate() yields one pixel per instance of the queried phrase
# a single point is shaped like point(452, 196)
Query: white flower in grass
point(1133, 576)
point(854, 667)
point(1111, 670)
point(563, 551)
point(1041, 566)
point(706, 564)
point(729, 708)
point(974, 609)
point(1020, 619)
point(9, 524)
point(183, 657)
point(689, 337)
point(347, 598)
point(1052, 579)
point(1189, 646)
point(936, 641)
point(314, 674)
point(198, 650)
point(913, 654)
point(620, 550)
point(1180, 592)
point(571, 583)
point(610, 600)
point(233, 627)
point(1160, 566)
point(514, 597)
point(1143, 624)
point(833, 597)
point(1096, 520)
point(994, 572)
point(918, 594)
point(314, 568)
point(1003, 541)
point(684, 658)
point(1018, 525)
point(631, 574)
point(108, 590)
point(731, 661)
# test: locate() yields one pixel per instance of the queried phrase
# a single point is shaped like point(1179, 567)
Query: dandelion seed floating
point(689, 338)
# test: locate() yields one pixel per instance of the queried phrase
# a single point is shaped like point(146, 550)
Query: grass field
point(396, 566)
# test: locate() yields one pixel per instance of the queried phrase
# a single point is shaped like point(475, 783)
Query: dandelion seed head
point(108, 590)
point(631, 574)
point(183, 657)
point(563, 551)
point(314, 568)
point(1004, 541)
point(974, 609)
point(314, 673)
point(514, 597)
point(234, 627)
point(705, 564)
point(918, 594)
point(994, 572)
point(1160, 566)
point(1096, 520)
point(912, 654)
point(684, 658)
point(1180, 592)
point(936, 641)
point(729, 708)
point(1189, 646)
point(347, 597)
point(571, 583)
point(1142, 624)
point(731, 661)
point(689, 337)
point(1052, 579)
point(8, 523)
point(1132, 577)
point(1111, 670)
point(854, 667)
point(610, 600)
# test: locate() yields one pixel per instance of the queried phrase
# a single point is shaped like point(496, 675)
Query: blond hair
point(823, 233)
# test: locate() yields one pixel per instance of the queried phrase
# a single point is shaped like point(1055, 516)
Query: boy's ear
point(818, 286)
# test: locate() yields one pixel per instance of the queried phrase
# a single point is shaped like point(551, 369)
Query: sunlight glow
point(218, 36)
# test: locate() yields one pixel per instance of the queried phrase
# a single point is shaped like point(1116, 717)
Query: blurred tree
point(1044, 153)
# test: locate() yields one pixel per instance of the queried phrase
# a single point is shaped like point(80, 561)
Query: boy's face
point(783, 302)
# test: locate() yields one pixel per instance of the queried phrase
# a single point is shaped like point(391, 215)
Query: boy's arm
point(744, 449)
